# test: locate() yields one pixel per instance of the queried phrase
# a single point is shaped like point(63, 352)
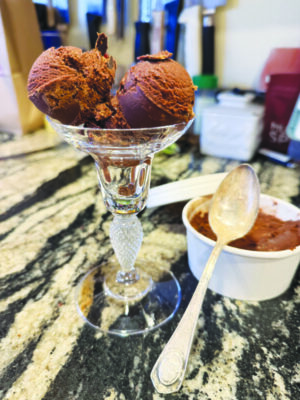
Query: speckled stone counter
point(54, 228)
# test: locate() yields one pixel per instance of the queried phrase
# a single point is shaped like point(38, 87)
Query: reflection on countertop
point(54, 228)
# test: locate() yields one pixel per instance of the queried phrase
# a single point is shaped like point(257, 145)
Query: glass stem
point(126, 235)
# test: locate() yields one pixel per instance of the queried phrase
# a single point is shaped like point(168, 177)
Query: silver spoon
point(232, 213)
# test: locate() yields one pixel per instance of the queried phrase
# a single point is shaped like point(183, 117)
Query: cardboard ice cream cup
point(243, 274)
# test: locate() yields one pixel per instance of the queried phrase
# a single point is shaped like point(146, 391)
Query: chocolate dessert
point(74, 87)
point(156, 91)
point(268, 233)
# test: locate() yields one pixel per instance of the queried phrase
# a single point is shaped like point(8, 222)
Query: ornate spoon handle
point(168, 372)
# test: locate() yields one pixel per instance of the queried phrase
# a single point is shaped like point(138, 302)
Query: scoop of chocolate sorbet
point(156, 91)
point(73, 86)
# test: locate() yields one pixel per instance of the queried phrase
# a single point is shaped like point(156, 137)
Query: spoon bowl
point(235, 204)
point(232, 214)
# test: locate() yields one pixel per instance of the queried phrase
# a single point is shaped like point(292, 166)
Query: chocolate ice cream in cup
point(247, 274)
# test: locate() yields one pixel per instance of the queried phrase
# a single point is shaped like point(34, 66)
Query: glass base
point(133, 287)
point(130, 312)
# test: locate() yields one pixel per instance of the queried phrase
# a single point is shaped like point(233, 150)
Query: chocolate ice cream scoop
point(117, 120)
point(156, 91)
point(73, 86)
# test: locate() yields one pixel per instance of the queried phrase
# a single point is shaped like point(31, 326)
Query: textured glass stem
point(126, 235)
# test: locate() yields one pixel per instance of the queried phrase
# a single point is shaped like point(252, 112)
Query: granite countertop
point(54, 228)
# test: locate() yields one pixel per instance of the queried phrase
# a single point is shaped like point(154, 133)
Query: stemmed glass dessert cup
point(125, 299)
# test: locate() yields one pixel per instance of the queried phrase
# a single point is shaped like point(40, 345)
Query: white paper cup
point(243, 274)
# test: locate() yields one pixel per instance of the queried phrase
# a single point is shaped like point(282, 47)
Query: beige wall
point(246, 31)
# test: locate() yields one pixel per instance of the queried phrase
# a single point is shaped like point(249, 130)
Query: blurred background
point(243, 56)
point(245, 31)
